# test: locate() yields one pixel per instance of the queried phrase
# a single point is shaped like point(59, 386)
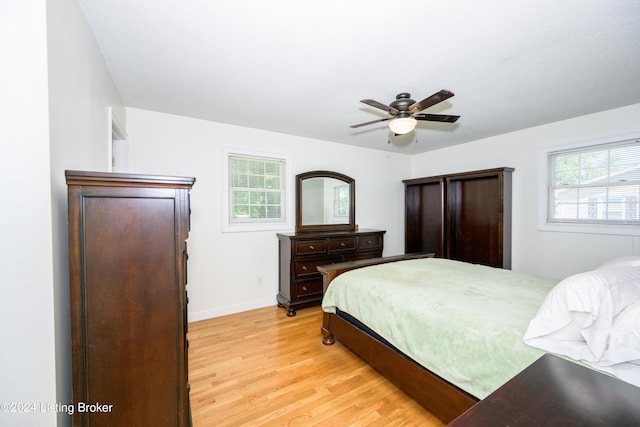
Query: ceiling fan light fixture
point(402, 125)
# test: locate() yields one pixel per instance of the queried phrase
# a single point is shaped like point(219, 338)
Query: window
point(256, 191)
point(595, 185)
point(341, 201)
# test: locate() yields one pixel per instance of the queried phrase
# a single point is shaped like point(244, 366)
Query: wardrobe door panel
point(131, 295)
point(475, 227)
point(424, 222)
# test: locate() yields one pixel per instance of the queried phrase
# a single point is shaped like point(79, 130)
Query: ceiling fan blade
point(431, 100)
point(371, 122)
point(380, 105)
point(436, 117)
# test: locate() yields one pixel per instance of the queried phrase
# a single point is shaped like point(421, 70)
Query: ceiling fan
point(405, 112)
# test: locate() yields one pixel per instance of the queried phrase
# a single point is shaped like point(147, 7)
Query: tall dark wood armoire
point(463, 216)
point(127, 257)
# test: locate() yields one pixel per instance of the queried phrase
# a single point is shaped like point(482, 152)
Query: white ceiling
point(300, 67)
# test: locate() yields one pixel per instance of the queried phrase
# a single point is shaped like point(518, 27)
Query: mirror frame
point(325, 227)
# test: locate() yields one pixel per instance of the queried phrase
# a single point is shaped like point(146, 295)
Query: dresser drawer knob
point(343, 244)
point(369, 242)
point(311, 247)
point(304, 288)
point(304, 268)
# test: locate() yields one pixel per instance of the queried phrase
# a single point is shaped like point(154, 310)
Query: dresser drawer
point(307, 267)
point(369, 242)
point(308, 288)
point(342, 244)
point(310, 247)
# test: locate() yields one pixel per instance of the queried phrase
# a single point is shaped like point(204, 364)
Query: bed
point(449, 333)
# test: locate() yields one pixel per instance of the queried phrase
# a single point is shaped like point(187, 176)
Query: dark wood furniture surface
point(443, 399)
point(127, 258)
point(302, 253)
point(463, 216)
point(556, 392)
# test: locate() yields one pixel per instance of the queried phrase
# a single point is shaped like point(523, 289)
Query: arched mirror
point(325, 201)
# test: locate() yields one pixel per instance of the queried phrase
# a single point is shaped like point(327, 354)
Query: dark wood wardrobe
point(127, 257)
point(463, 216)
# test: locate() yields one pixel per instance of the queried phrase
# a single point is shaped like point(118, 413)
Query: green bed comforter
point(462, 321)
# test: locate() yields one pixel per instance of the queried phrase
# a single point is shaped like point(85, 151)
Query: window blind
point(595, 184)
point(256, 189)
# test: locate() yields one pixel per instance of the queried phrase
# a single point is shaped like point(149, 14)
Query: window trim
point(543, 187)
point(268, 225)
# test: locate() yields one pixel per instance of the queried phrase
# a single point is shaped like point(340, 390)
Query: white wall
point(56, 91)
point(80, 93)
point(550, 254)
point(27, 371)
point(230, 272)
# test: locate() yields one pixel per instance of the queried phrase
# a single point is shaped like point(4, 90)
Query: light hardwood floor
point(262, 368)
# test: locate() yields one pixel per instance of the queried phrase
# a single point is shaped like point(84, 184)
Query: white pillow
point(625, 261)
point(624, 337)
point(573, 330)
point(590, 300)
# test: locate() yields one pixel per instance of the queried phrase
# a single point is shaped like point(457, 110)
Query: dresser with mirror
point(325, 233)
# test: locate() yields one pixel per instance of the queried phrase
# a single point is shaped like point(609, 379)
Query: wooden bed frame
point(441, 398)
